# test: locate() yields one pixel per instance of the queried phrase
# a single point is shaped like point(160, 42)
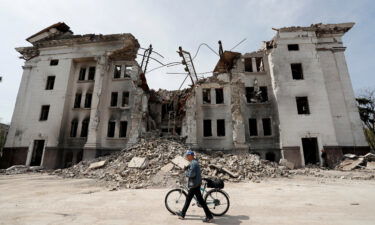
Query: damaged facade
point(291, 99)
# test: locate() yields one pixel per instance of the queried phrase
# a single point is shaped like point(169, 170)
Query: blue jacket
point(194, 174)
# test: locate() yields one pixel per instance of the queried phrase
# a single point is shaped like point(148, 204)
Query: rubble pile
point(158, 162)
point(351, 162)
point(18, 169)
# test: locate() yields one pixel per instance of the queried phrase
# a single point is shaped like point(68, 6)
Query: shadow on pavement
point(227, 219)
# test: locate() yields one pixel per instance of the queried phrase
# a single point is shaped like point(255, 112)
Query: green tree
point(366, 107)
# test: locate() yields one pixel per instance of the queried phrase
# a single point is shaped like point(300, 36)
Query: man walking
point(194, 184)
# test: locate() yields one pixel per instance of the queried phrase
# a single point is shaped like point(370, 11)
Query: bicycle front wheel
point(217, 202)
point(175, 200)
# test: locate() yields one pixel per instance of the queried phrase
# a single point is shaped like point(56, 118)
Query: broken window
point(293, 47)
point(207, 130)
point(73, 128)
point(302, 105)
point(248, 65)
point(111, 129)
point(253, 127)
point(263, 94)
point(125, 99)
point(259, 64)
point(82, 74)
point(258, 95)
point(219, 96)
point(267, 130)
point(123, 128)
point(44, 113)
point(77, 100)
point(85, 127)
point(50, 82)
point(220, 128)
point(114, 96)
point(296, 71)
point(206, 93)
point(54, 62)
point(117, 71)
point(128, 71)
point(91, 73)
point(88, 100)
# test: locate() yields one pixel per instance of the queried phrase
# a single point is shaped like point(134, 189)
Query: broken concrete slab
point(97, 165)
point(138, 162)
point(167, 168)
point(370, 157)
point(370, 166)
point(286, 163)
point(180, 162)
point(349, 164)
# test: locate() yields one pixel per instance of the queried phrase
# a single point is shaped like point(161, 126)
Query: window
point(253, 127)
point(114, 96)
point(249, 94)
point(206, 92)
point(263, 94)
point(248, 65)
point(117, 71)
point(296, 71)
point(50, 82)
point(54, 62)
point(293, 47)
point(111, 129)
point(125, 99)
point(128, 71)
point(219, 96)
point(73, 128)
point(267, 130)
point(207, 131)
point(91, 73)
point(85, 127)
point(77, 101)
point(259, 64)
point(123, 128)
point(88, 100)
point(44, 113)
point(82, 74)
point(302, 105)
point(220, 128)
point(259, 96)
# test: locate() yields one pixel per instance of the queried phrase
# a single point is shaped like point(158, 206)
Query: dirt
point(45, 199)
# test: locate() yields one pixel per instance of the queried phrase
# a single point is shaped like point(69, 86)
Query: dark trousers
point(197, 192)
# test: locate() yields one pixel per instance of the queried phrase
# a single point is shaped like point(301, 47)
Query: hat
point(189, 152)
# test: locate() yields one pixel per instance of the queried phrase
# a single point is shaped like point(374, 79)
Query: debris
point(350, 156)
point(370, 166)
point(369, 157)
point(180, 162)
point(97, 165)
point(222, 169)
point(138, 162)
point(167, 167)
point(286, 163)
point(349, 164)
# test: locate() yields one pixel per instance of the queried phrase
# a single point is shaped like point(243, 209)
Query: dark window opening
point(114, 96)
point(166, 109)
point(111, 129)
point(296, 71)
point(82, 74)
point(256, 96)
point(54, 62)
point(50, 82)
point(270, 156)
point(253, 127)
point(206, 92)
point(36, 158)
point(125, 99)
point(207, 130)
point(310, 150)
point(267, 130)
point(117, 71)
point(249, 94)
point(88, 100)
point(77, 101)
point(85, 127)
point(248, 65)
point(91, 73)
point(293, 47)
point(73, 128)
point(44, 113)
point(263, 94)
point(128, 71)
point(220, 128)
point(302, 105)
point(178, 130)
point(123, 128)
point(219, 95)
point(259, 64)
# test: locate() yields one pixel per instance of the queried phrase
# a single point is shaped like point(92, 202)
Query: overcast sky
point(169, 24)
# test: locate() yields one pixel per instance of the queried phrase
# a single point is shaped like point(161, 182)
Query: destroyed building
point(82, 96)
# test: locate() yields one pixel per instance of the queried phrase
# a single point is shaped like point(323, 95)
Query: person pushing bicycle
point(194, 183)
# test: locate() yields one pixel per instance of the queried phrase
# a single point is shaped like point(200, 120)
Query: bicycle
point(217, 200)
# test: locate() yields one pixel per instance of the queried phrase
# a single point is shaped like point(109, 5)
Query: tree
point(366, 107)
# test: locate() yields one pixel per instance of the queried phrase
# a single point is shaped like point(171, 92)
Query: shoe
point(180, 216)
point(208, 220)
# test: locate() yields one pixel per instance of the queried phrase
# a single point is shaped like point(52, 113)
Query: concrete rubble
point(352, 162)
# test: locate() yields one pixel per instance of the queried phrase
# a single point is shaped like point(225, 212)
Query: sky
point(170, 24)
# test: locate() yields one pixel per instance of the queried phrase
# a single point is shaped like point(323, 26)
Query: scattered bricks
point(180, 162)
point(167, 167)
point(138, 162)
point(97, 165)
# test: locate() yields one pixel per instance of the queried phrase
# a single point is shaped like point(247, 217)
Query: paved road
point(43, 199)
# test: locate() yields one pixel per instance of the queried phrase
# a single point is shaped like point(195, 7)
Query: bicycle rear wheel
point(217, 202)
point(175, 200)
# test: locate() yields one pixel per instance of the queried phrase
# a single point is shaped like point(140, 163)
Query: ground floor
point(300, 200)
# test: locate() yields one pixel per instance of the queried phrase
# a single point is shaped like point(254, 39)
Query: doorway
point(36, 158)
point(310, 150)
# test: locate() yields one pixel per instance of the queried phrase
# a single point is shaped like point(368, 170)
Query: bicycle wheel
point(217, 202)
point(175, 200)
